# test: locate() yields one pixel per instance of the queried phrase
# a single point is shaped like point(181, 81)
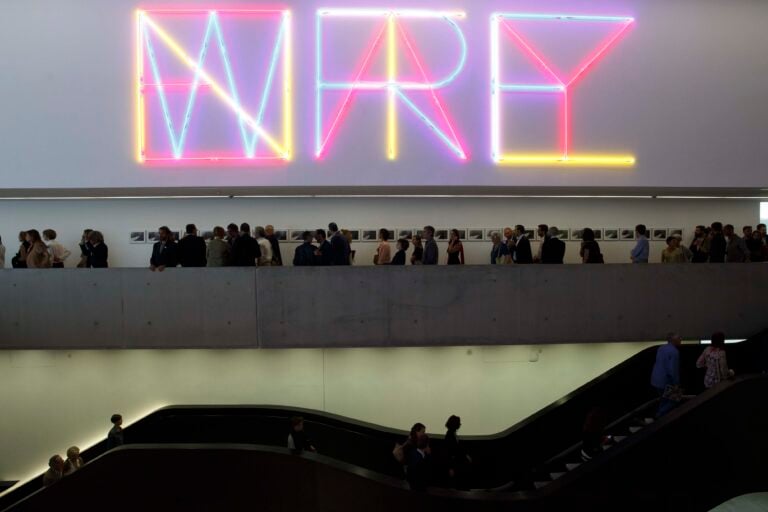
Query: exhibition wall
point(117, 219)
point(75, 393)
point(356, 93)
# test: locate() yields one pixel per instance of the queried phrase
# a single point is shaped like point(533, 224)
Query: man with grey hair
point(553, 249)
point(499, 252)
point(665, 376)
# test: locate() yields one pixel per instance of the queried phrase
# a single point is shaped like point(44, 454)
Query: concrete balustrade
point(377, 306)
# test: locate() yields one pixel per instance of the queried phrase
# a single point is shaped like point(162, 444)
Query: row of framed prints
point(442, 234)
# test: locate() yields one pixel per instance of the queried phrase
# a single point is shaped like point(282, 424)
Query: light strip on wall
point(202, 77)
point(566, 158)
point(395, 89)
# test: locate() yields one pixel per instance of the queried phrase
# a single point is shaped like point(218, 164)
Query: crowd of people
point(239, 246)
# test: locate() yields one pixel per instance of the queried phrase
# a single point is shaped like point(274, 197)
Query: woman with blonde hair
point(37, 255)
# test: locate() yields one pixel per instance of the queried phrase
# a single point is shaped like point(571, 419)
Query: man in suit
point(339, 246)
point(430, 247)
point(192, 249)
point(165, 252)
point(553, 249)
point(522, 254)
point(304, 256)
point(324, 251)
point(245, 251)
point(717, 244)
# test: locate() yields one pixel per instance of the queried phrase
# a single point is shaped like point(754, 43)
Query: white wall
point(56, 399)
point(117, 218)
point(683, 92)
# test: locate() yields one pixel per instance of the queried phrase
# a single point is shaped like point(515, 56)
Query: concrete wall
point(368, 306)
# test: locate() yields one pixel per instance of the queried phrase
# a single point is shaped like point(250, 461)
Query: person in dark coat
point(553, 249)
point(340, 246)
point(192, 249)
point(245, 251)
point(522, 253)
point(99, 251)
point(304, 256)
point(457, 461)
point(165, 253)
point(402, 248)
point(430, 254)
point(324, 251)
point(297, 438)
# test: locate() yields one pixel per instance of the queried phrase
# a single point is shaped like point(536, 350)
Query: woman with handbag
point(713, 359)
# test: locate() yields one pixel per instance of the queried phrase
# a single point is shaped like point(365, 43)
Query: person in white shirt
point(265, 246)
point(2, 254)
point(59, 253)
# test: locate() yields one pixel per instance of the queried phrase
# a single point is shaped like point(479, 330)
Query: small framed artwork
point(475, 235)
point(153, 237)
point(598, 233)
point(530, 234)
point(354, 234)
point(441, 235)
point(138, 237)
point(462, 234)
point(418, 232)
point(369, 235)
point(404, 233)
point(659, 234)
point(610, 234)
point(577, 234)
point(207, 235)
point(564, 234)
point(490, 231)
point(295, 235)
point(627, 234)
point(675, 231)
point(176, 235)
point(281, 234)
point(391, 233)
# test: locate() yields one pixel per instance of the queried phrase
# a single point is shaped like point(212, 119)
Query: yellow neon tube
point(215, 87)
point(392, 77)
point(558, 160)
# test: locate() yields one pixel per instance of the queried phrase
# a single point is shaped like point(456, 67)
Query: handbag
point(673, 393)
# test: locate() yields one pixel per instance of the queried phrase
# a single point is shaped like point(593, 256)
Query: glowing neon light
point(251, 129)
point(562, 86)
point(395, 89)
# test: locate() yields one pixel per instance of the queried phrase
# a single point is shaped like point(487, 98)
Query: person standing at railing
point(340, 245)
point(324, 250)
point(38, 255)
point(217, 251)
point(2, 254)
point(553, 249)
point(499, 251)
point(277, 258)
point(430, 246)
point(455, 249)
point(736, 250)
point(698, 246)
point(383, 254)
point(265, 247)
point(714, 360)
point(717, 243)
point(99, 254)
point(192, 248)
point(59, 253)
point(304, 255)
point(665, 376)
point(165, 252)
point(642, 249)
point(522, 254)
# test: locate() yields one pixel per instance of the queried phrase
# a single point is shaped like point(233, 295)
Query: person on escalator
point(55, 471)
point(419, 465)
point(713, 359)
point(665, 377)
point(297, 438)
point(592, 434)
point(115, 436)
point(457, 461)
point(402, 452)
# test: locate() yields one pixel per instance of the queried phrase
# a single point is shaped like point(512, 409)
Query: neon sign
point(392, 29)
point(194, 101)
point(557, 83)
point(152, 38)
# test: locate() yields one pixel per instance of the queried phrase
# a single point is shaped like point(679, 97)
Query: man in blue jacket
point(665, 376)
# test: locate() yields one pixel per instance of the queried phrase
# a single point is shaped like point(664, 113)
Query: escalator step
point(635, 430)
point(619, 439)
point(539, 485)
point(648, 421)
point(555, 476)
point(573, 466)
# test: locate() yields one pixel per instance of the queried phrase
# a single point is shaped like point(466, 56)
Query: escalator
point(532, 463)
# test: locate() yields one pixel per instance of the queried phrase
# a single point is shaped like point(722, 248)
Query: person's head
point(422, 442)
point(588, 235)
point(49, 234)
point(333, 227)
point(320, 235)
point(269, 229)
point(232, 230)
point(56, 463)
point(190, 229)
point(116, 419)
point(678, 238)
point(756, 235)
point(674, 339)
point(33, 236)
point(95, 237)
point(718, 339)
point(416, 240)
point(428, 232)
point(508, 233)
point(717, 227)
point(519, 230)
point(348, 235)
point(554, 232)
point(218, 232)
point(383, 234)
point(165, 233)
point(297, 423)
point(453, 423)
point(245, 229)
point(402, 244)
point(747, 231)
point(673, 242)
point(73, 453)
point(307, 237)
point(729, 230)
point(495, 238)
point(641, 230)
point(543, 230)
point(260, 232)
point(418, 430)
point(761, 228)
point(22, 236)
point(700, 231)
point(455, 235)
